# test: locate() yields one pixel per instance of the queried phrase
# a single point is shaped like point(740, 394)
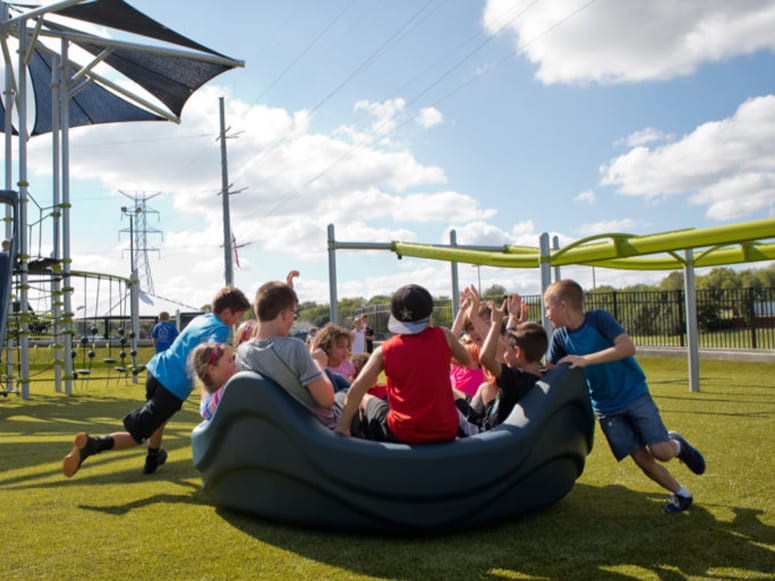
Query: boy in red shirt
point(420, 407)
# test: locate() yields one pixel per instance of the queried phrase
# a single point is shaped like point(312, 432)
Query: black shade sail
point(171, 79)
point(171, 75)
point(121, 16)
point(94, 104)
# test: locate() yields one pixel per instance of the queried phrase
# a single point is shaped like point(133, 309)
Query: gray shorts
point(636, 426)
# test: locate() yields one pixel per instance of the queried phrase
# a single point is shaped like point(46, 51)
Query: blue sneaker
point(677, 504)
point(689, 454)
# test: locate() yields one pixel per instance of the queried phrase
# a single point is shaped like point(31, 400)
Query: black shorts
point(371, 424)
point(373, 421)
point(160, 406)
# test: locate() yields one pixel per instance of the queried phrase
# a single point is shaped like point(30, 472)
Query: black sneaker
point(677, 504)
point(153, 460)
point(83, 447)
point(689, 454)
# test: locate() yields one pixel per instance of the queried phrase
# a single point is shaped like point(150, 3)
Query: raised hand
point(517, 308)
point(291, 275)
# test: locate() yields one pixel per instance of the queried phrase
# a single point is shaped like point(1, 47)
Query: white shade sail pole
point(22, 246)
point(56, 282)
point(67, 287)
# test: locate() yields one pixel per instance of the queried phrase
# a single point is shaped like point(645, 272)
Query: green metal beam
point(624, 251)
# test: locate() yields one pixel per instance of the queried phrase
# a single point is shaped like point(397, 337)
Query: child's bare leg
point(156, 455)
point(654, 470)
point(664, 451)
point(85, 446)
point(123, 441)
point(154, 442)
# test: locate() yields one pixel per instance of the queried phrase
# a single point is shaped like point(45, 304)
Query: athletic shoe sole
point(72, 462)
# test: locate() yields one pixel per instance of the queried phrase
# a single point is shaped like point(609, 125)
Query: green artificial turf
point(111, 522)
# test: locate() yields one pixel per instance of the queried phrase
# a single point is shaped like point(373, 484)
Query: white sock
point(683, 492)
point(677, 446)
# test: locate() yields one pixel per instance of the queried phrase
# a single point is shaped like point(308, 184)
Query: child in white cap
point(420, 407)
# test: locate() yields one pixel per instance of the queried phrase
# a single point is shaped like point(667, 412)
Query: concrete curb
point(763, 356)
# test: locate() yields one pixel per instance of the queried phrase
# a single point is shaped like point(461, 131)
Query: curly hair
point(330, 335)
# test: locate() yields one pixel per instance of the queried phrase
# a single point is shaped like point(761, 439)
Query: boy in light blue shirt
point(167, 386)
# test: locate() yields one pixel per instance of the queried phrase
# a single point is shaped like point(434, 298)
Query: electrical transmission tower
point(138, 231)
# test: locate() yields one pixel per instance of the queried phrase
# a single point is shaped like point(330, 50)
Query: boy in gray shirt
point(286, 360)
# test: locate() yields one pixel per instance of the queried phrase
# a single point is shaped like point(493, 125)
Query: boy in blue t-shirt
point(595, 341)
point(163, 333)
point(167, 386)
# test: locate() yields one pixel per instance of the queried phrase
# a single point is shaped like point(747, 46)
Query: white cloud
point(737, 196)
point(587, 197)
point(386, 114)
point(727, 165)
point(631, 40)
point(481, 233)
point(644, 137)
point(428, 117)
point(295, 183)
point(607, 226)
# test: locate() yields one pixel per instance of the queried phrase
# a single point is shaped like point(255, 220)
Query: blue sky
point(402, 120)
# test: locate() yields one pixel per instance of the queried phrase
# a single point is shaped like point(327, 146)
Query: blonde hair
point(566, 290)
point(202, 357)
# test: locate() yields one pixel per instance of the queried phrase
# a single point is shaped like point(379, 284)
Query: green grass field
point(112, 522)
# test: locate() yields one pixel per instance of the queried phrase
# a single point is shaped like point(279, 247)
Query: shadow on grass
point(48, 416)
point(595, 533)
point(195, 497)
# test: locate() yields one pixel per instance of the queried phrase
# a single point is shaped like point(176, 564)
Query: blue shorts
point(636, 426)
point(159, 408)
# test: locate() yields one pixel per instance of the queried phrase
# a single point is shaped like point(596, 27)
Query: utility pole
point(228, 270)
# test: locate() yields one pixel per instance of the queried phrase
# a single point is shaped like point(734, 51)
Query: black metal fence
point(726, 319)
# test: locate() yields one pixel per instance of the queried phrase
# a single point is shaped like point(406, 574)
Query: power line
point(365, 64)
point(390, 119)
point(510, 54)
point(288, 197)
point(304, 52)
point(138, 231)
point(147, 140)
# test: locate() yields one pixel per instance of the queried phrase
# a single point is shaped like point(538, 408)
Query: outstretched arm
point(517, 311)
point(290, 276)
point(359, 387)
point(623, 347)
point(479, 325)
point(459, 352)
point(489, 355)
point(463, 312)
point(321, 388)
